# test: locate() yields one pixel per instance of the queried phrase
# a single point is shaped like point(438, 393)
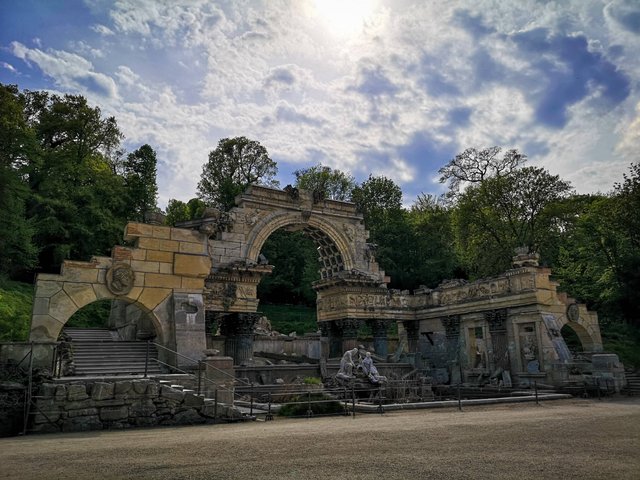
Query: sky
point(393, 88)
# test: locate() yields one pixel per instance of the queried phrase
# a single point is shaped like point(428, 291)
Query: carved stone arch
point(72, 296)
point(589, 338)
point(314, 225)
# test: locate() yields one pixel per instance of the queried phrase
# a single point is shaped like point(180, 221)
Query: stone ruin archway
point(163, 274)
point(236, 239)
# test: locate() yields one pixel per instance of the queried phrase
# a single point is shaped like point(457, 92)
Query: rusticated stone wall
point(82, 406)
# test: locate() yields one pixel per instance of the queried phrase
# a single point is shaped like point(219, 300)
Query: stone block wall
point(82, 406)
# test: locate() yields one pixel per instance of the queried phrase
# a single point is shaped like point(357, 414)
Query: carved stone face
point(120, 279)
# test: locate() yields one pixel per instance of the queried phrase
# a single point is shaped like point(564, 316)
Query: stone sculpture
point(347, 365)
point(370, 370)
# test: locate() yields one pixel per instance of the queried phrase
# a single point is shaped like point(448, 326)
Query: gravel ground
point(561, 439)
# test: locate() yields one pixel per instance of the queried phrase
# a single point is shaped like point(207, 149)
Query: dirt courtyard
point(584, 439)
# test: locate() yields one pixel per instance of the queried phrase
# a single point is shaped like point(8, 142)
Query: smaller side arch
point(590, 340)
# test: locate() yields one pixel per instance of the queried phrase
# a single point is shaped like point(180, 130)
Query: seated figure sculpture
point(347, 365)
point(371, 371)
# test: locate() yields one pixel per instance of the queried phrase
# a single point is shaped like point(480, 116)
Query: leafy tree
point(78, 203)
point(296, 267)
point(178, 211)
point(502, 212)
point(376, 198)
point(17, 142)
point(431, 222)
point(235, 164)
point(325, 182)
point(474, 166)
point(140, 181)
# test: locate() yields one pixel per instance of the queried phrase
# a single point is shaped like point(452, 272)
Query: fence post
point(459, 399)
point(346, 408)
point(269, 416)
point(251, 405)
point(598, 387)
point(309, 411)
point(353, 400)
point(199, 377)
point(146, 360)
point(535, 389)
point(215, 405)
point(380, 407)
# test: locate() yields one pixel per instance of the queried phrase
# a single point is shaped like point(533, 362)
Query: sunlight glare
point(344, 17)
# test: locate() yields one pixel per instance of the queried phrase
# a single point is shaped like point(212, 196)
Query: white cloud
point(9, 67)
point(68, 70)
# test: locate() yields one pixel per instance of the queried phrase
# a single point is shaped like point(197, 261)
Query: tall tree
point(235, 164)
point(78, 202)
point(140, 180)
point(503, 212)
point(474, 166)
point(178, 211)
point(18, 251)
point(377, 197)
point(325, 182)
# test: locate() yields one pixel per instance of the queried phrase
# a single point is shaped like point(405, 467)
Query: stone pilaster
point(350, 328)
point(412, 329)
point(335, 339)
point(380, 336)
point(499, 353)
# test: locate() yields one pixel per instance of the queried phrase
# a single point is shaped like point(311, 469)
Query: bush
point(327, 407)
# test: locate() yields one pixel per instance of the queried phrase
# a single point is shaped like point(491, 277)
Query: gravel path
point(563, 439)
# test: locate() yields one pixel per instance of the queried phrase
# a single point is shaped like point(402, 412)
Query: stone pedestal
point(191, 341)
point(220, 376)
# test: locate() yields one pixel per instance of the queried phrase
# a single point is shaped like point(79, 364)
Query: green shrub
point(312, 381)
point(329, 406)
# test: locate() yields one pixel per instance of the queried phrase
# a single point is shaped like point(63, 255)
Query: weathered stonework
point(91, 405)
point(164, 262)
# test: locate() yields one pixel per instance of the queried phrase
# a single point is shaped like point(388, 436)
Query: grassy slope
point(16, 301)
point(290, 318)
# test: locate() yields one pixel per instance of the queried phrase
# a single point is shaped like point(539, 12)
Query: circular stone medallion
point(573, 313)
point(120, 279)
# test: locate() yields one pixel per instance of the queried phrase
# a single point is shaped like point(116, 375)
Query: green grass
point(291, 318)
point(16, 302)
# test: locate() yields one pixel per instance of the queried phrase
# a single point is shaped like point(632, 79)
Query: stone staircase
point(633, 383)
point(99, 352)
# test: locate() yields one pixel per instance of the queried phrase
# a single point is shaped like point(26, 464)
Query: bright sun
point(344, 17)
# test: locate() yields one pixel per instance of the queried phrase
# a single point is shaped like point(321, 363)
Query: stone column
point(335, 339)
point(452, 332)
point(325, 329)
point(380, 338)
point(412, 328)
point(350, 328)
point(499, 353)
point(238, 330)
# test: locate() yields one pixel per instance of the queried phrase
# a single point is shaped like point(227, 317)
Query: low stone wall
point(82, 406)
